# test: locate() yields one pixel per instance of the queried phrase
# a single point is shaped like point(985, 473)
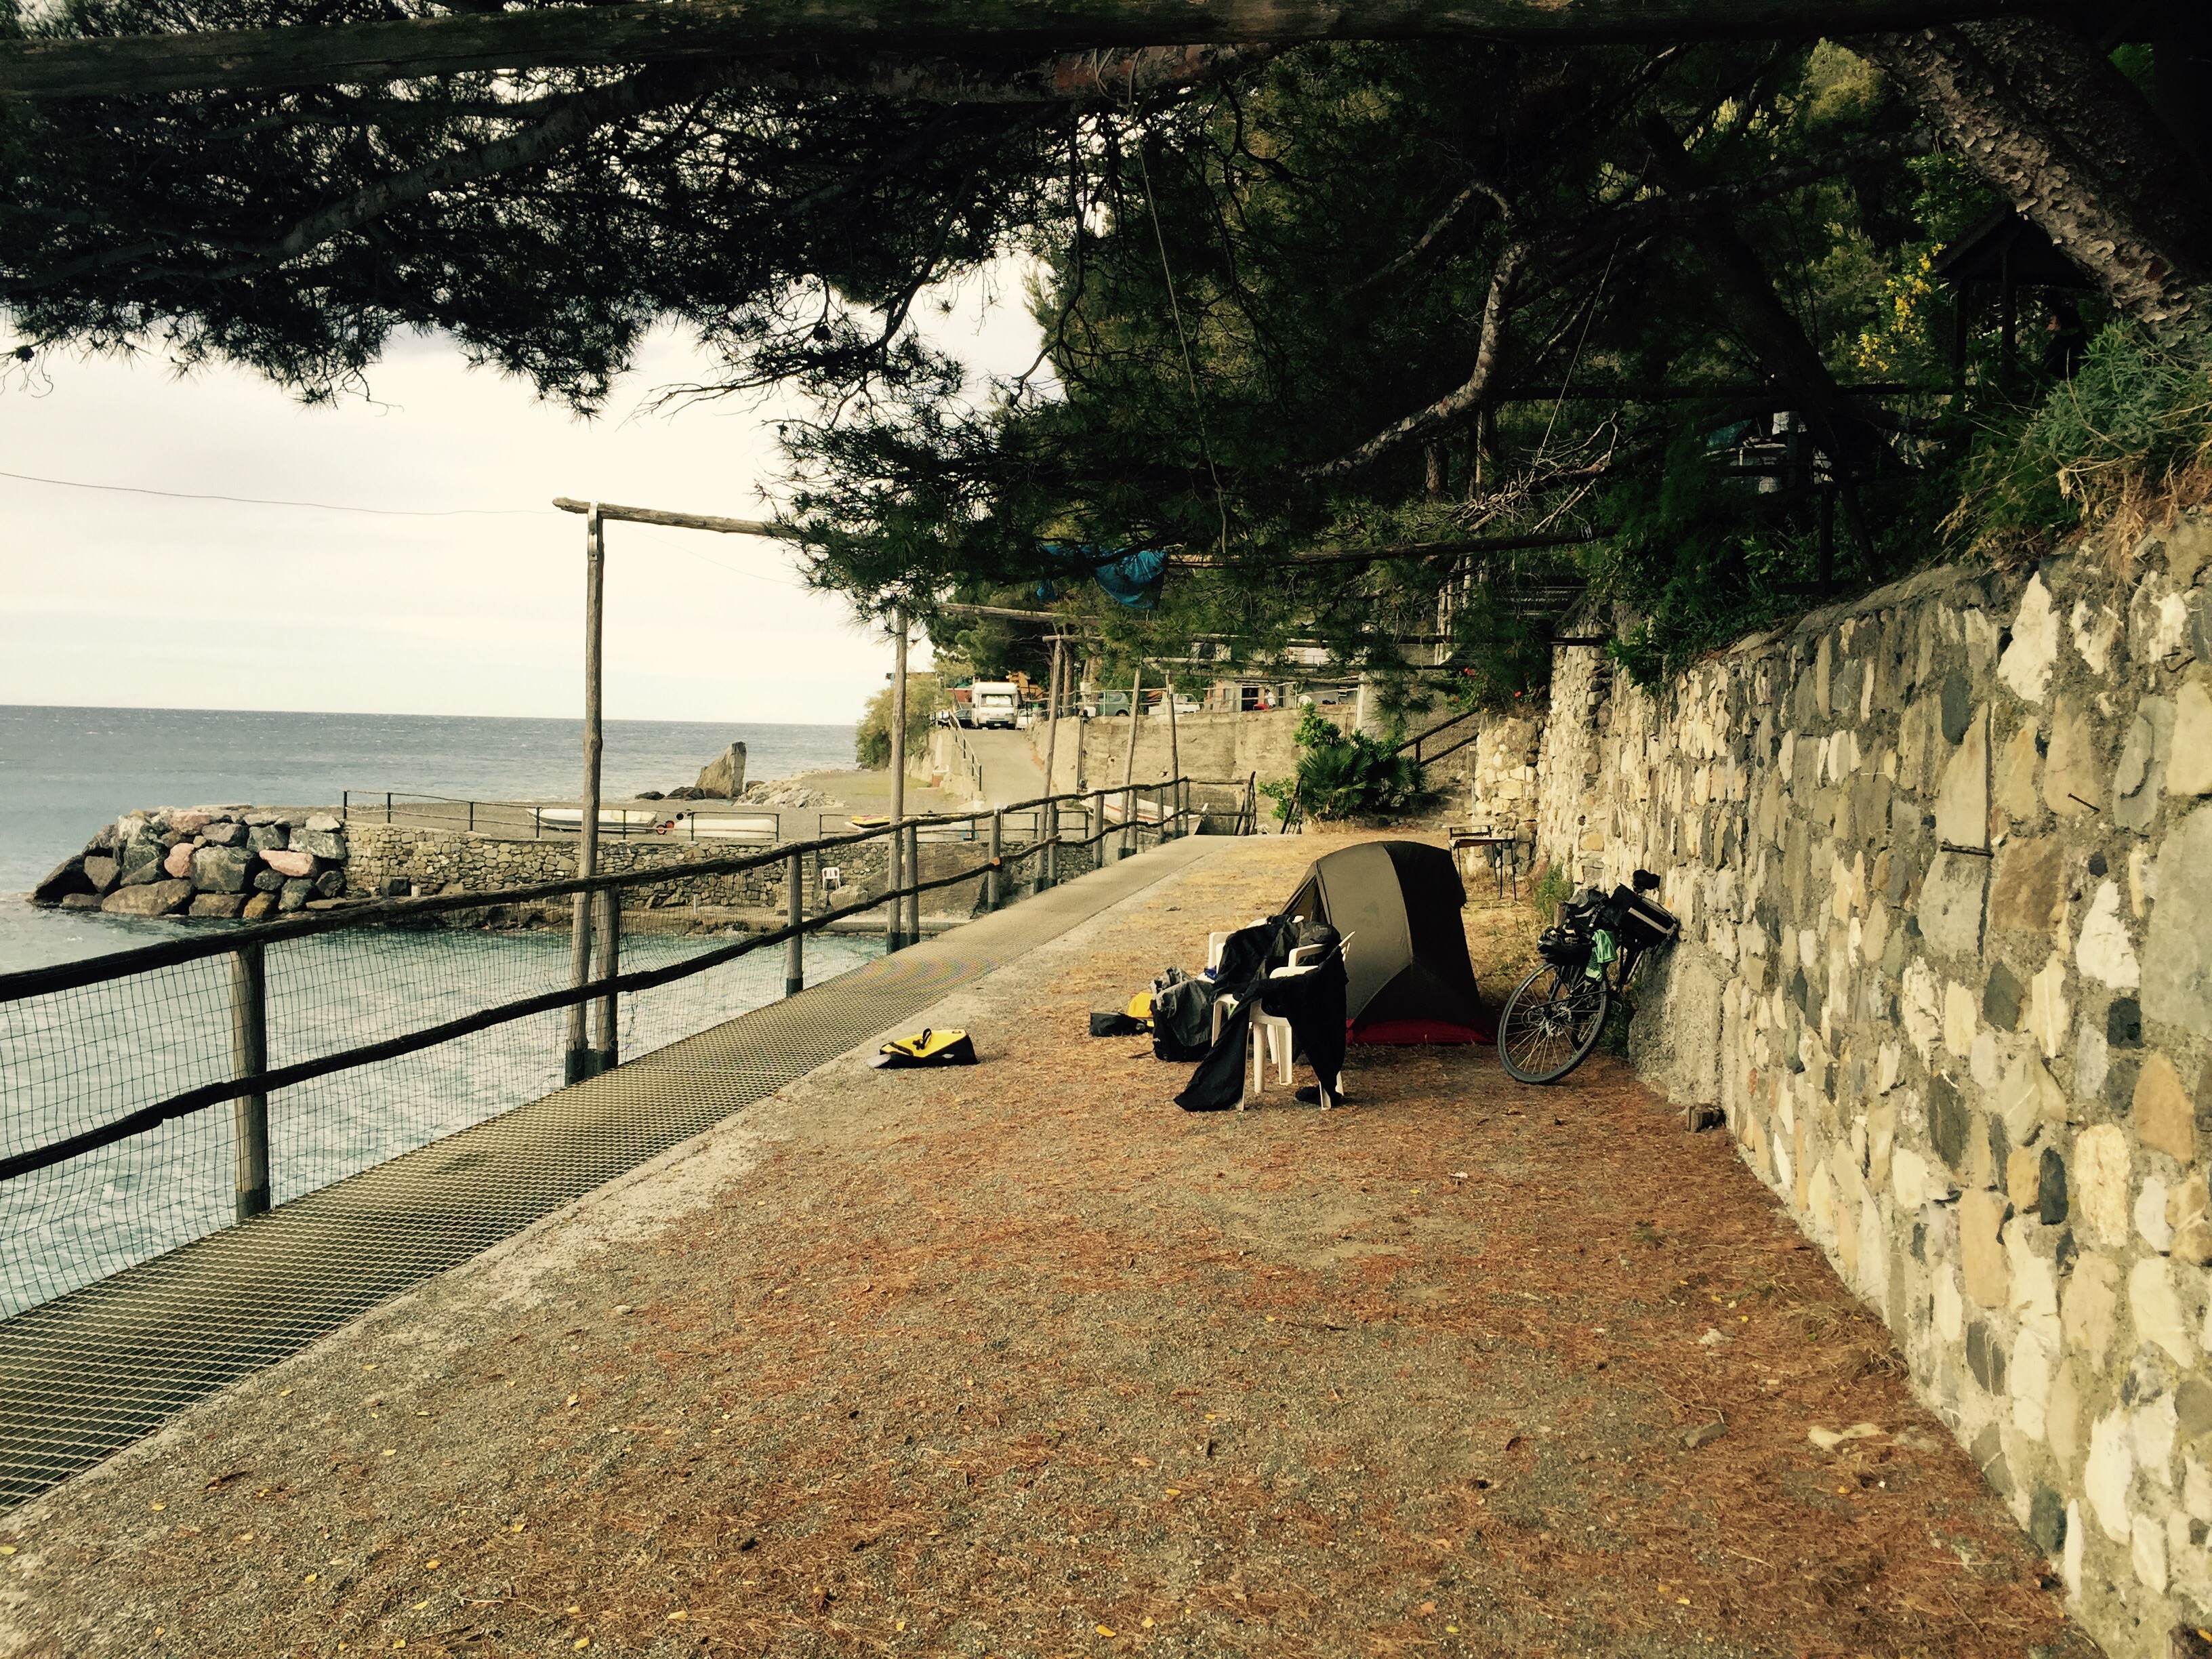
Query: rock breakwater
point(219, 862)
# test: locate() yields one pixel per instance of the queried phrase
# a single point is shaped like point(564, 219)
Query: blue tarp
point(1132, 577)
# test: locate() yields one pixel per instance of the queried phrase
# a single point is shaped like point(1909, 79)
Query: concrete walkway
point(1020, 1360)
point(91, 1371)
point(1010, 770)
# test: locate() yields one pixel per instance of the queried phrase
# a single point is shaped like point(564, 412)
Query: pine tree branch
point(546, 37)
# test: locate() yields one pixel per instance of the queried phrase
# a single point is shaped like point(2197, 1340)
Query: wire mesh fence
point(126, 1134)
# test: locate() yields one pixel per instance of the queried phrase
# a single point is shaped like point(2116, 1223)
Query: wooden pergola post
point(588, 1053)
point(1130, 764)
point(578, 1062)
point(893, 930)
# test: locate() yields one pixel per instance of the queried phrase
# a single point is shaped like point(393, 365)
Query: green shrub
point(1343, 774)
point(872, 739)
point(2114, 449)
point(1553, 888)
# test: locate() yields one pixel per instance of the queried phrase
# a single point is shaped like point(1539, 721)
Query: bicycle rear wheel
point(1552, 1022)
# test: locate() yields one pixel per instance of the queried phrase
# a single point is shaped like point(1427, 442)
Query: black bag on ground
point(1182, 1016)
point(1115, 1024)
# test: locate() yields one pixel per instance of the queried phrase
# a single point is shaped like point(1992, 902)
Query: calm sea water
point(64, 772)
point(78, 1059)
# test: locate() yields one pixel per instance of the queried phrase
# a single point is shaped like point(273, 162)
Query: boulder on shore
point(294, 863)
point(101, 872)
point(261, 905)
point(221, 870)
point(222, 905)
point(297, 891)
point(81, 901)
point(68, 878)
point(141, 860)
point(178, 862)
point(725, 779)
point(323, 843)
point(154, 898)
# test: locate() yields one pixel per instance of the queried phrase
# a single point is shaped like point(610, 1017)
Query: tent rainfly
point(1398, 904)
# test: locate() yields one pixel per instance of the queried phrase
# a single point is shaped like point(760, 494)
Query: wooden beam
point(1399, 550)
point(678, 520)
point(1773, 396)
point(1001, 611)
point(354, 54)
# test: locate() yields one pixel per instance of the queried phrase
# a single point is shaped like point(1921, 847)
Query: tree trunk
point(879, 33)
point(1764, 323)
point(2064, 135)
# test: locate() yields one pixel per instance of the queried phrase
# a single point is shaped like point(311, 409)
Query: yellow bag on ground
point(926, 1048)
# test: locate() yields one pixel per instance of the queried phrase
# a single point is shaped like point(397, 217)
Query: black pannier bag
point(1182, 1016)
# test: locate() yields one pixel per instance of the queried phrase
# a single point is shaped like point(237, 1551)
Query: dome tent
point(1398, 904)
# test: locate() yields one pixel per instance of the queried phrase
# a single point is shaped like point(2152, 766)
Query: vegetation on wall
point(2112, 452)
point(1344, 774)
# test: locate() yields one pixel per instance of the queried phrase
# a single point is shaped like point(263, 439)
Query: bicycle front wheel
point(1551, 1024)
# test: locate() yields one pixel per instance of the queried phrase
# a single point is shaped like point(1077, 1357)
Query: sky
point(115, 600)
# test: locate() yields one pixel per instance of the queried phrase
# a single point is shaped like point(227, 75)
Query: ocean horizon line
point(395, 714)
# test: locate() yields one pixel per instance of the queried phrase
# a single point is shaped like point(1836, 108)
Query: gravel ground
point(1022, 1360)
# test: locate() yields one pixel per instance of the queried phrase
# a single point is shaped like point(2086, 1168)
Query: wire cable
point(257, 501)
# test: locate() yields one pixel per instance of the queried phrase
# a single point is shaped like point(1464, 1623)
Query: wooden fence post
point(912, 929)
point(991, 874)
point(795, 912)
point(607, 1045)
point(249, 1054)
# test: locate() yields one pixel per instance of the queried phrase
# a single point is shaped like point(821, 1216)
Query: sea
point(71, 1061)
point(64, 772)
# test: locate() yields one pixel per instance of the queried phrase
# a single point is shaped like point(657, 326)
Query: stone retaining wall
point(441, 860)
point(1218, 747)
point(1943, 859)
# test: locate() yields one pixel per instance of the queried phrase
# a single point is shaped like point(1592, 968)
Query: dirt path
point(1022, 1360)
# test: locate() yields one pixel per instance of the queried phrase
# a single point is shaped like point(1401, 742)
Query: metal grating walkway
point(85, 1374)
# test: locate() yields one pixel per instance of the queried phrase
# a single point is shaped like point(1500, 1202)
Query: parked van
point(993, 702)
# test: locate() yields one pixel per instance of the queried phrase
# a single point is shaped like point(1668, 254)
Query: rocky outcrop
point(214, 862)
point(724, 778)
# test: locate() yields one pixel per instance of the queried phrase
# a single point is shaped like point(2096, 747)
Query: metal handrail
point(1414, 742)
point(94, 970)
point(257, 1084)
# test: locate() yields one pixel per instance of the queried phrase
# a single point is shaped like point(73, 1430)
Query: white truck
point(993, 702)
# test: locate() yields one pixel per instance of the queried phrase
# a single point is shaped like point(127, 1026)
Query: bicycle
point(1555, 1016)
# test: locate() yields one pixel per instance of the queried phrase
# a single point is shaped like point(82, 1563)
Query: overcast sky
point(129, 600)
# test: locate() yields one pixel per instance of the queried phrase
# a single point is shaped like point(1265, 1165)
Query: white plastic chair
point(1270, 1038)
point(1304, 960)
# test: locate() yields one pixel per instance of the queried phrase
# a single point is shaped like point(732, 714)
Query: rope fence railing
point(344, 1038)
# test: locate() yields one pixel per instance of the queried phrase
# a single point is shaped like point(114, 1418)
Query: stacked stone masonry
point(1943, 859)
point(389, 858)
point(212, 862)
